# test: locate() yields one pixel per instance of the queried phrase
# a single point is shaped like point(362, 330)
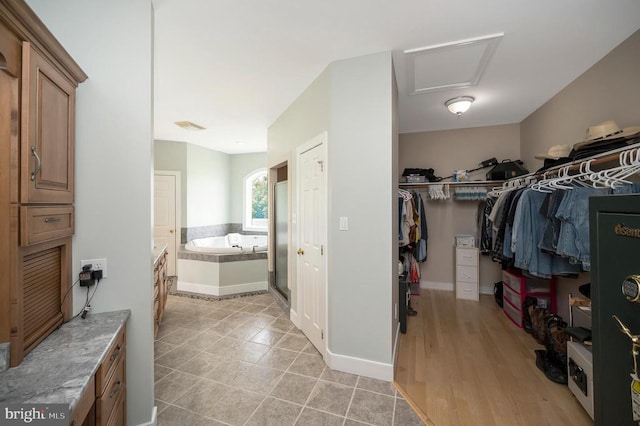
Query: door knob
point(172, 230)
point(300, 252)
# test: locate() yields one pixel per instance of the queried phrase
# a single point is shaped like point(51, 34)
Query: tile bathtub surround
point(188, 234)
point(241, 361)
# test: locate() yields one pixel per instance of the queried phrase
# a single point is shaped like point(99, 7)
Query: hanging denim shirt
point(574, 231)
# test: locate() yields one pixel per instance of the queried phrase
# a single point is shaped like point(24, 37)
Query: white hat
point(555, 153)
point(606, 131)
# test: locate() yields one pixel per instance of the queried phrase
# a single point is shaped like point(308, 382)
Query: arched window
point(256, 213)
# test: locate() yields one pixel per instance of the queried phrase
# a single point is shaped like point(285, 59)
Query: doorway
point(311, 238)
point(166, 214)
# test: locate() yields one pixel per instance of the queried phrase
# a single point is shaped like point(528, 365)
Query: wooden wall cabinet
point(48, 118)
point(38, 79)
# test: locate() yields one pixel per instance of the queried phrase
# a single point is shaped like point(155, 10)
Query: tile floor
point(241, 361)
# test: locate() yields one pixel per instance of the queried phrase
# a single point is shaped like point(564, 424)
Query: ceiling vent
point(452, 65)
point(187, 125)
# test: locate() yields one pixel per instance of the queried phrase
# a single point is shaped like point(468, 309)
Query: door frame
point(178, 227)
point(321, 139)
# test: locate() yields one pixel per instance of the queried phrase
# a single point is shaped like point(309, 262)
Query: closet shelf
point(463, 183)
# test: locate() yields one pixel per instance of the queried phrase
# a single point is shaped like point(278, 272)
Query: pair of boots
point(552, 367)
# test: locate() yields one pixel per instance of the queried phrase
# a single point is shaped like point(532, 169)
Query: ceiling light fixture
point(187, 125)
point(459, 105)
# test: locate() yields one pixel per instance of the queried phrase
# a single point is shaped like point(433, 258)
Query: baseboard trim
point(359, 366)
point(295, 319)
point(436, 285)
point(225, 290)
point(154, 418)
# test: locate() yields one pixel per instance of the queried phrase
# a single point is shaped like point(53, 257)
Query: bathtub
point(229, 244)
point(213, 266)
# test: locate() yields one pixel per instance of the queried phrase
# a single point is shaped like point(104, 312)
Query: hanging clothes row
point(413, 233)
point(543, 227)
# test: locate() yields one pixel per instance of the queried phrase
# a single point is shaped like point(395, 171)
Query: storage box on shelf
point(517, 287)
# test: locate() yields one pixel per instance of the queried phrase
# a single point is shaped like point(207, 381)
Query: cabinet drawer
point(40, 224)
point(467, 274)
point(512, 296)
point(115, 387)
point(119, 412)
point(467, 291)
point(514, 314)
point(114, 355)
point(467, 256)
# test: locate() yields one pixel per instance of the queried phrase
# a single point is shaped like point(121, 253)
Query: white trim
point(154, 418)
point(246, 203)
point(224, 290)
point(395, 348)
point(295, 319)
point(320, 139)
point(178, 224)
point(359, 366)
point(437, 285)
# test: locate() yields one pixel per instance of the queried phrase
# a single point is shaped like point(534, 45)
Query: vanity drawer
point(119, 413)
point(114, 389)
point(45, 223)
point(114, 355)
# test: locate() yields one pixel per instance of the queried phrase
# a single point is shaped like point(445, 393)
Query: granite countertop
point(157, 251)
point(59, 369)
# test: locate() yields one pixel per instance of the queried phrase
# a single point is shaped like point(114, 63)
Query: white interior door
point(311, 243)
point(165, 216)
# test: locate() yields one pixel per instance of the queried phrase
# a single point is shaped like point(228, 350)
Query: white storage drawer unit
point(467, 273)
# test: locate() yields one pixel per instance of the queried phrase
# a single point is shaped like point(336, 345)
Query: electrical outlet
point(95, 265)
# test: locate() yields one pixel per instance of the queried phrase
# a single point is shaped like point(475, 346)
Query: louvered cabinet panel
point(45, 271)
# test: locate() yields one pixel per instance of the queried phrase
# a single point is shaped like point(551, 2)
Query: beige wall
point(446, 151)
point(608, 90)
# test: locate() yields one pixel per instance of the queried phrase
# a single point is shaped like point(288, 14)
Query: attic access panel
point(452, 65)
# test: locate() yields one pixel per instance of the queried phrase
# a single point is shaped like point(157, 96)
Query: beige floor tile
point(313, 417)
point(171, 387)
point(176, 357)
point(202, 396)
point(278, 358)
point(372, 408)
point(375, 385)
point(339, 377)
point(268, 337)
point(294, 388)
point(201, 365)
point(236, 406)
point(307, 365)
point(292, 342)
point(273, 412)
point(331, 397)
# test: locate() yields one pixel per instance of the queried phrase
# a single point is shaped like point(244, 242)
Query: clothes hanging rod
point(596, 160)
point(462, 183)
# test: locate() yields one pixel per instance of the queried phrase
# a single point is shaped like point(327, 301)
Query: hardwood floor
point(465, 363)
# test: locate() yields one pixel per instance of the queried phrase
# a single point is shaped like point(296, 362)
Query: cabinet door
point(40, 301)
point(47, 142)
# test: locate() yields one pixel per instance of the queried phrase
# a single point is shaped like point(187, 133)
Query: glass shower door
point(281, 238)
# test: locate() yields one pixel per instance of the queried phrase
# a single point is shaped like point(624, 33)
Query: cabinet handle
point(116, 389)
point(115, 354)
point(38, 163)
point(52, 219)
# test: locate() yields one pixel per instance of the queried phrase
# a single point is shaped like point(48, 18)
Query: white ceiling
point(233, 66)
